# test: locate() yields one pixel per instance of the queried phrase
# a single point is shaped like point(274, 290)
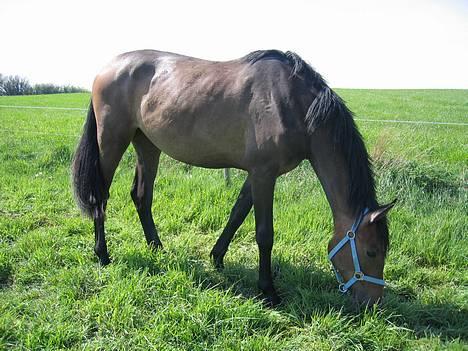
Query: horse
point(263, 113)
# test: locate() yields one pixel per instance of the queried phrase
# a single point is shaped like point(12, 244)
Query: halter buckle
point(342, 288)
point(358, 275)
point(350, 234)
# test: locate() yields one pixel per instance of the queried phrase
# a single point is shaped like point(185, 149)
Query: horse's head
point(357, 251)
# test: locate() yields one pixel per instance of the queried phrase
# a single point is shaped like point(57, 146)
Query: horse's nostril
point(363, 298)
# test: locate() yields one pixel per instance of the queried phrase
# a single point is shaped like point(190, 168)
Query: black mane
point(298, 65)
point(328, 109)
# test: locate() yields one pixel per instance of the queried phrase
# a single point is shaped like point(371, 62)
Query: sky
point(353, 44)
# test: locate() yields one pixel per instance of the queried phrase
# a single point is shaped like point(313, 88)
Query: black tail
point(88, 182)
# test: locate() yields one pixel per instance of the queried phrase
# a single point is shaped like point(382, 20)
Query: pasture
point(54, 295)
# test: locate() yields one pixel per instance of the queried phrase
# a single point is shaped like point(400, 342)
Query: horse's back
point(207, 113)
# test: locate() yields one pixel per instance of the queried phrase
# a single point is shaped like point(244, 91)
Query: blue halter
point(358, 274)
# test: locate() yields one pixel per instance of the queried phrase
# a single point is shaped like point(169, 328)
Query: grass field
point(54, 295)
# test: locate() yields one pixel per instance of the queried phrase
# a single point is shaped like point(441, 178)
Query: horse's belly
point(195, 154)
point(203, 145)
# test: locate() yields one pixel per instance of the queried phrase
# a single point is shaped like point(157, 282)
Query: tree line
point(16, 85)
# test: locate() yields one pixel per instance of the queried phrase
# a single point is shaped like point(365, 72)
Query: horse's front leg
point(238, 213)
point(263, 184)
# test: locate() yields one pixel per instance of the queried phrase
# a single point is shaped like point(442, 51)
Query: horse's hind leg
point(100, 246)
point(238, 213)
point(142, 190)
point(113, 141)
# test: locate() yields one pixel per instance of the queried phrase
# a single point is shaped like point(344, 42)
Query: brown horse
point(263, 113)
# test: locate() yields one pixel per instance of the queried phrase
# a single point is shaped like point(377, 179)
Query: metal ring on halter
point(350, 234)
point(342, 288)
point(358, 275)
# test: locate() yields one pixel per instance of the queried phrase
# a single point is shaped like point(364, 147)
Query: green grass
point(54, 295)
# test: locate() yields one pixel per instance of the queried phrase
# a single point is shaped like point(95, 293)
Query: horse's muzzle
point(363, 298)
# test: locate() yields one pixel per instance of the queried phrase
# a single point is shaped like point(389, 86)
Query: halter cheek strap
point(358, 274)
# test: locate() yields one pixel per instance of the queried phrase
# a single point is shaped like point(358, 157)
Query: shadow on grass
point(308, 291)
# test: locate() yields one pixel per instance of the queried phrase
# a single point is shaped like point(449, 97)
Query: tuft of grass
point(426, 178)
point(58, 156)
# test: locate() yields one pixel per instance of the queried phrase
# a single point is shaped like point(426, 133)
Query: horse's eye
point(371, 253)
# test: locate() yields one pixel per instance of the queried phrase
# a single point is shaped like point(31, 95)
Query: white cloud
point(374, 44)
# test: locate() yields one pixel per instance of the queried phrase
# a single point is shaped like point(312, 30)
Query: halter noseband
point(358, 274)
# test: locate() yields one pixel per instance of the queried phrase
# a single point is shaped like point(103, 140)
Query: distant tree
point(16, 85)
point(47, 88)
point(73, 89)
point(2, 92)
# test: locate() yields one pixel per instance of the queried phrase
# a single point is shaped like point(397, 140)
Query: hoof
point(104, 261)
point(155, 246)
point(218, 260)
point(269, 295)
point(271, 300)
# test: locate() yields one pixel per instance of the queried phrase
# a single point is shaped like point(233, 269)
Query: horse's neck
point(331, 170)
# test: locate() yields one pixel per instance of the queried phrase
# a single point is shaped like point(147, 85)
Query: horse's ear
point(381, 212)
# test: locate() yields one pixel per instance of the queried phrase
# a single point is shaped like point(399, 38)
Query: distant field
point(54, 295)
